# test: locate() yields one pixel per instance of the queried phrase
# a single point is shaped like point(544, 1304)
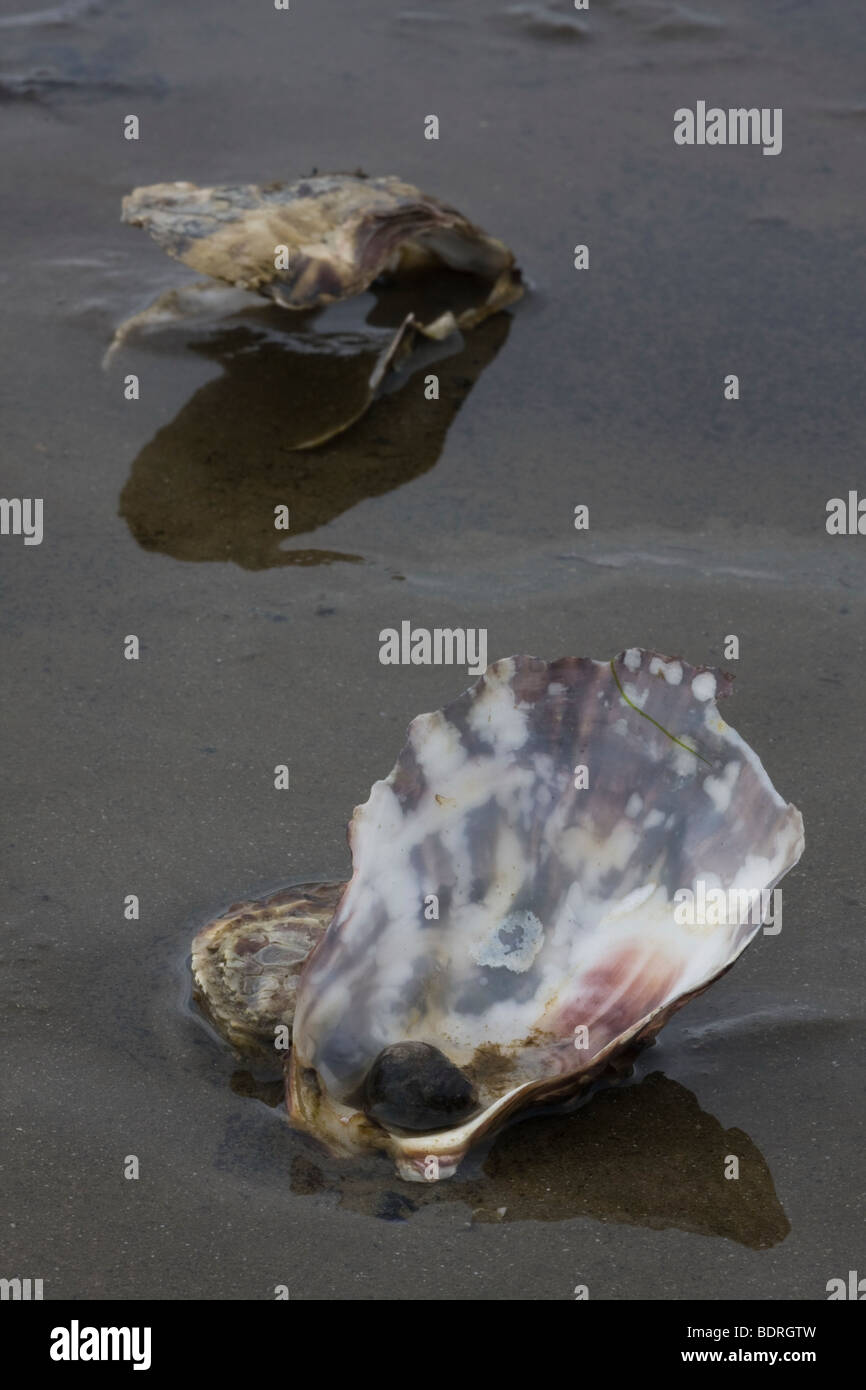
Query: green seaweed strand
point(665, 731)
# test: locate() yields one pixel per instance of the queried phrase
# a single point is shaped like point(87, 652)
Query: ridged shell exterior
point(246, 964)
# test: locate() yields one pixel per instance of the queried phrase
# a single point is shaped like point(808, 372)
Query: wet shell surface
point(510, 925)
point(340, 231)
point(314, 243)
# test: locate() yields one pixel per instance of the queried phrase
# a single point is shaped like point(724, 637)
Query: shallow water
point(602, 387)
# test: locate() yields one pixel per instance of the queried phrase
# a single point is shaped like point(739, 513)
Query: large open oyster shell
point(508, 930)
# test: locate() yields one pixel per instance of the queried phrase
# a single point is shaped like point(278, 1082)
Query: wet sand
point(603, 387)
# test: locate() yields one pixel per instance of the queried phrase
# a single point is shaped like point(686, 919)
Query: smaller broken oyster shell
point(336, 234)
point(341, 232)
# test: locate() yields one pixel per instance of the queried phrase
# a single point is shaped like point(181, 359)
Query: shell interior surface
point(511, 918)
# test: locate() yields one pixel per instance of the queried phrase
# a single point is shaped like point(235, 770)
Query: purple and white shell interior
point(516, 877)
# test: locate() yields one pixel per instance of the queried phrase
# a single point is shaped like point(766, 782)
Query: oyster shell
point(518, 932)
point(340, 233)
point(246, 963)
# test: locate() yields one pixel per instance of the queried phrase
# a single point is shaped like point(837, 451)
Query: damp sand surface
point(603, 387)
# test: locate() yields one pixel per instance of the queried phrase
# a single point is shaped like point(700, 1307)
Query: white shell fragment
point(555, 942)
